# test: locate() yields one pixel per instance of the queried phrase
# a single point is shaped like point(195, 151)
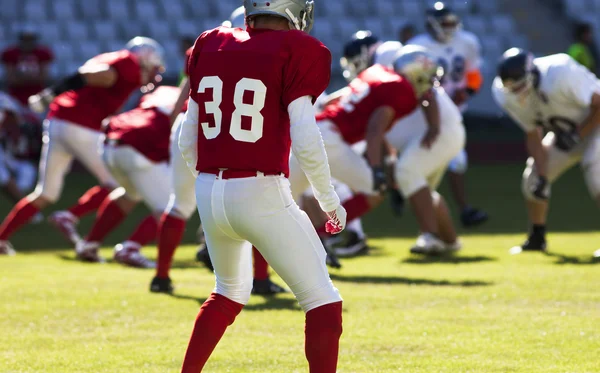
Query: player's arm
point(379, 122)
point(592, 121)
point(335, 96)
point(184, 93)
point(93, 76)
point(188, 138)
point(431, 110)
point(537, 151)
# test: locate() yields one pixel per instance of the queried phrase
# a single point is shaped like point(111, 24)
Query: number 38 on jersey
point(251, 110)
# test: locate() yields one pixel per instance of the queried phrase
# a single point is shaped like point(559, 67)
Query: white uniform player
point(560, 96)
point(459, 53)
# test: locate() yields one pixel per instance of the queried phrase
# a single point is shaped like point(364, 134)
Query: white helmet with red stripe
point(149, 52)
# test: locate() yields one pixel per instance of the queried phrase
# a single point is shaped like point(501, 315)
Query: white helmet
point(148, 51)
point(419, 67)
point(300, 13)
point(237, 19)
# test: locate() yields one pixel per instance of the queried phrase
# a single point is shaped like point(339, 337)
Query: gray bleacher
point(78, 29)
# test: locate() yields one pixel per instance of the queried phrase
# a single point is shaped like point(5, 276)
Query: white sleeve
point(577, 83)
point(188, 138)
point(308, 148)
point(526, 122)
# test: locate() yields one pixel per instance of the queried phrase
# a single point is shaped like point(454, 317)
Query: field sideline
point(481, 311)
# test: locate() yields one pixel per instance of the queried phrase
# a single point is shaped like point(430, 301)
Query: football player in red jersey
point(183, 202)
point(78, 105)
point(365, 110)
point(136, 152)
point(251, 100)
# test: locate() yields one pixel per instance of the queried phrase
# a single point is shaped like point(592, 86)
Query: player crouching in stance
point(557, 96)
point(136, 152)
point(78, 105)
point(241, 121)
point(426, 141)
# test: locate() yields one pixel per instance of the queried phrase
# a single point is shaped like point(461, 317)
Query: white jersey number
point(241, 109)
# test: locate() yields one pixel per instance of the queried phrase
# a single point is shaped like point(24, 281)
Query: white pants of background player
point(140, 178)
point(64, 141)
point(24, 172)
point(587, 153)
point(182, 202)
point(260, 211)
point(418, 167)
point(346, 165)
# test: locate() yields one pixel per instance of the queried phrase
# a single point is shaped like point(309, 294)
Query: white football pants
point(260, 211)
point(142, 179)
point(64, 141)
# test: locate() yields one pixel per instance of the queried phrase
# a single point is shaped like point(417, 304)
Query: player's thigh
point(230, 255)
point(298, 180)
point(284, 235)
point(55, 161)
point(86, 146)
point(558, 161)
point(117, 161)
point(153, 185)
point(350, 168)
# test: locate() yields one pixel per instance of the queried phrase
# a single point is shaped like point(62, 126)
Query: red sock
point(89, 201)
point(170, 232)
point(322, 337)
point(18, 216)
point(216, 314)
point(108, 218)
point(261, 267)
point(145, 231)
point(355, 207)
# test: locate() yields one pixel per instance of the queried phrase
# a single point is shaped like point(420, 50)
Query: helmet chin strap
point(295, 21)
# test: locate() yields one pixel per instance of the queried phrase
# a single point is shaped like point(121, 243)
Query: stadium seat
point(334, 8)
point(359, 8)
point(476, 24)
point(172, 10)
point(503, 24)
point(324, 30)
point(63, 9)
point(159, 31)
point(35, 10)
point(50, 32)
point(413, 10)
point(348, 26)
point(105, 30)
point(90, 9)
point(145, 11)
point(87, 49)
point(117, 9)
point(63, 51)
point(185, 28)
point(383, 7)
point(375, 25)
point(488, 6)
point(10, 10)
point(75, 30)
point(132, 28)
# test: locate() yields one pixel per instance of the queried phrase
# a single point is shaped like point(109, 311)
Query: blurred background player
point(584, 49)
point(406, 32)
point(247, 198)
point(72, 130)
point(458, 52)
point(425, 146)
point(557, 96)
point(26, 65)
point(182, 202)
point(136, 152)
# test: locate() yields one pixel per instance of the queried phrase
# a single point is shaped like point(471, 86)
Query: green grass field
point(480, 311)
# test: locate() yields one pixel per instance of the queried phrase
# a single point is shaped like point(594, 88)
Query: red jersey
point(147, 127)
point(27, 63)
point(375, 87)
point(89, 106)
point(243, 82)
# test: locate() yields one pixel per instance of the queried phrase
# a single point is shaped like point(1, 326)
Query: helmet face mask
point(419, 68)
point(237, 19)
point(442, 23)
point(150, 55)
point(299, 13)
point(516, 71)
point(358, 54)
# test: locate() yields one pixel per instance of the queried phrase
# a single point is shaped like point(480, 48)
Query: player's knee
point(237, 289)
point(317, 297)
point(460, 163)
point(409, 179)
point(50, 195)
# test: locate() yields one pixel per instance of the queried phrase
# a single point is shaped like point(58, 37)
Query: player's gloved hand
point(337, 220)
point(567, 141)
point(396, 201)
point(541, 191)
point(379, 179)
point(39, 102)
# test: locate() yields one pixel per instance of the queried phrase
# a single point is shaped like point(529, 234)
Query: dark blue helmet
point(516, 69)
point(358, 53)
point(441, 22)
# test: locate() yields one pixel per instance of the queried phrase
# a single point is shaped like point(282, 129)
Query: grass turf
point(481, 311)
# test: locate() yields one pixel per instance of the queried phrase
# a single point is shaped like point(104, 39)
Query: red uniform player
point(78, 105)
point(251, 98)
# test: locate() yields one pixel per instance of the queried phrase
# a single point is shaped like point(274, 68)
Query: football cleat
point(429, 244)
point(128, 253)
point(66, 223)
point(532, 244)
point(354, 246)
point(37, 218)
point(454, 247)
point(203, 256)
point(267, 287)
point(6, 248)
point(472, 217)
point(88, 251)
point(597, 253)
point(161, 285)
